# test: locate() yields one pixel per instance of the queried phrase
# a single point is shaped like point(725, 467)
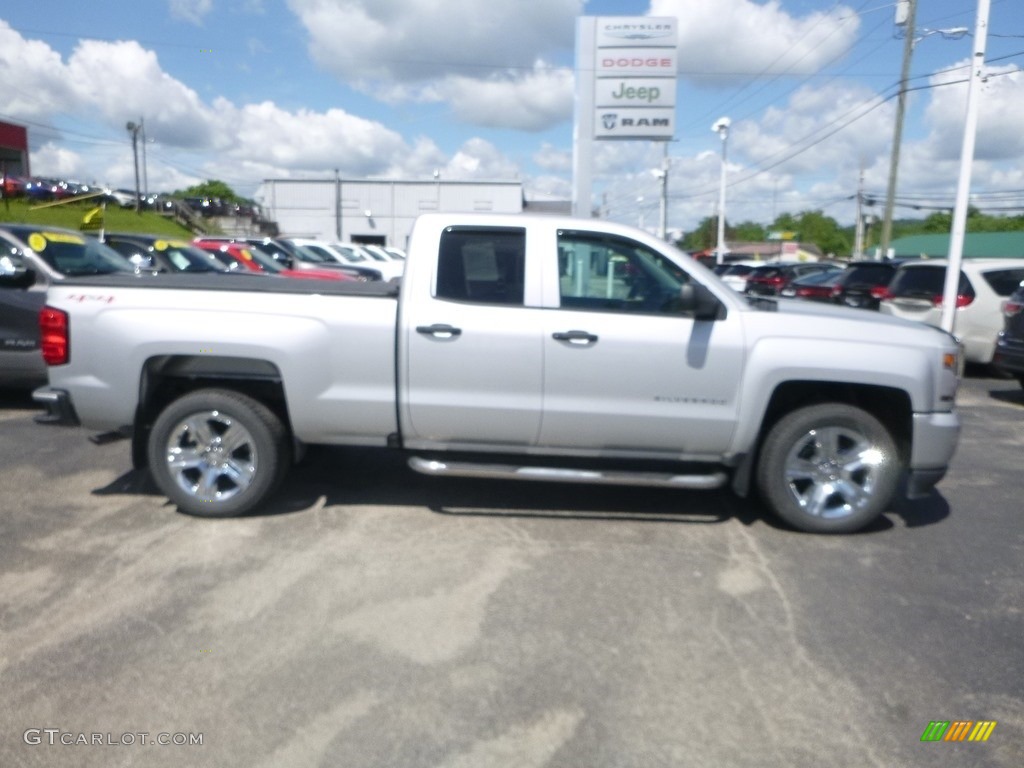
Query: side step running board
point(555, 474)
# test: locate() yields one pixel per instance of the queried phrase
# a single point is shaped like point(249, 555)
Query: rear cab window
point(482, 265)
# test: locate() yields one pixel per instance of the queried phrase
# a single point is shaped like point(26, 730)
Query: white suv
point(915, 293)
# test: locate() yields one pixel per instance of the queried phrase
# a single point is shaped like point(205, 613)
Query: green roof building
point(977, 245)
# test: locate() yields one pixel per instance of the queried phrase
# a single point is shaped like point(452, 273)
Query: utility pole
point(901, 105)
point(135, 128)
point(337, 204)
point(145, 168)
point(858, 229)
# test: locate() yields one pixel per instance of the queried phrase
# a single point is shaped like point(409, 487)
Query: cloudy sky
point(244, 90)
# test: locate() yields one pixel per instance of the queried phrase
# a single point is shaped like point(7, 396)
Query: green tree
point(705, 236)
point(940, 222)
point(748, 232)
point(817, 228)
point(210, 188)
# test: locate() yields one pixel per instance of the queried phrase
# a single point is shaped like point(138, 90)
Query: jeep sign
point(635, 92)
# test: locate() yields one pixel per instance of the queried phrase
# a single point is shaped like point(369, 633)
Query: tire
point(828, 468)
point(218, 453)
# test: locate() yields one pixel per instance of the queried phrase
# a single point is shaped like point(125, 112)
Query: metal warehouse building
point(379, 212)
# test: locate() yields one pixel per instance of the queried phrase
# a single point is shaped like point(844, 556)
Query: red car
point(237, 256)
point(770, 279)
point(816, 286)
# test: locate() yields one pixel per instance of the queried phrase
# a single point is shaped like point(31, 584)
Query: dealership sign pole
point(625, 88)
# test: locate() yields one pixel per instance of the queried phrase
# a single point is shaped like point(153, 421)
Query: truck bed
point(245, 283)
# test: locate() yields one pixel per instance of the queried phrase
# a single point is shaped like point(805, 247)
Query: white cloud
point(1000, 113)
point(60, 162)
point(304, 140)
point(731, 40)
point(124, 81)
point(479, 159)
point(32, 83)
point(835, 124)
point(192, 11)
point(481, 58)
point(552, 158)
point(530, 102)
point(417, 40)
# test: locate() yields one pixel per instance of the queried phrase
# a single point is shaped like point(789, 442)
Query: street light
point(134, 129)
point(721, 127)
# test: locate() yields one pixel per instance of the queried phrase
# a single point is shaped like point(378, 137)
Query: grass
point(69, 216)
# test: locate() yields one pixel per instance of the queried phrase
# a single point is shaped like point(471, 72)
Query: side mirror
point(695, 299)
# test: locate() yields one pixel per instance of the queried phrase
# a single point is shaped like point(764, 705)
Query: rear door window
point(873, 274)
point(925, 283)
point(1004, 281)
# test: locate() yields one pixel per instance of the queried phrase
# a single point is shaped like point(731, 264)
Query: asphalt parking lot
point(373, 617)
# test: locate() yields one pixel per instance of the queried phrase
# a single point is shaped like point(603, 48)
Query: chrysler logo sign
point(637, 32)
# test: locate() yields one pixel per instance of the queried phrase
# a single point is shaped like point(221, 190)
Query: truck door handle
point(581, 338)
point(439, 330)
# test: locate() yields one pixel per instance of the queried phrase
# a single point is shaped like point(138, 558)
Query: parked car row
point(907, 288)
point(33, 257)
point(47, 189)
point(372, 257)
point(916, 289)
point(854, 284)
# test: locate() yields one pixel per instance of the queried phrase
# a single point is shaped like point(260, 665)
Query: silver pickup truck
point(526, 347)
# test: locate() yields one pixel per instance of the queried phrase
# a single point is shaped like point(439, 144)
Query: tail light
point(53, 325)
point(880, 292)
point(1012, 308)
point(962, 300)
point(837, 291)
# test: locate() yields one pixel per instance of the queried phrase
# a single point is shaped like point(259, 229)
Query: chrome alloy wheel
point(211, 456)
point(833, 472)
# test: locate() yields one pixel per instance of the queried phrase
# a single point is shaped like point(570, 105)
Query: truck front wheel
point(829, 468)
point(216, 452)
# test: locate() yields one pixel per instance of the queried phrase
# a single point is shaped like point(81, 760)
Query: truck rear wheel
point(217, 453)
point(829, 468)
